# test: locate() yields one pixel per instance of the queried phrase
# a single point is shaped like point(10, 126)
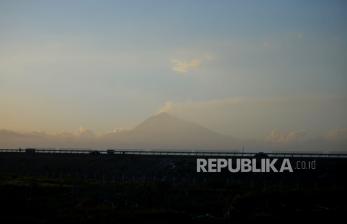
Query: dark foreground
point(63, 188)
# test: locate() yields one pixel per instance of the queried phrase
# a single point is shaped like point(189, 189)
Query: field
point(101, 188)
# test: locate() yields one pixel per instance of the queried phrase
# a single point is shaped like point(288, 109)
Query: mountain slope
point(164, 131)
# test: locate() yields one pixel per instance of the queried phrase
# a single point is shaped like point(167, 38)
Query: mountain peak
point(161, 122)
point(163, 115)
point(165, 123)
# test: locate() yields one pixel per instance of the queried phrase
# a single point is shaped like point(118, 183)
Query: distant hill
point(165, 131)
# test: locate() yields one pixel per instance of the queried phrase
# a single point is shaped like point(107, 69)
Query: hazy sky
point(239, 67)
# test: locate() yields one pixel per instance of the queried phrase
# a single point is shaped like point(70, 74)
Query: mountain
point(165, 131)
point(159, 132)
point(167, 125)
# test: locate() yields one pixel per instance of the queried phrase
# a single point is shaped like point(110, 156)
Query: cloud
point(167, 107)
point(337, 135)
point(332, 141)
point(84, 132)
point(183, 66)
point(180, 66)
point(119, 130)
point(278, 137)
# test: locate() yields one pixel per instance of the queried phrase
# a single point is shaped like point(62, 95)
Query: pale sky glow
point(243, 68)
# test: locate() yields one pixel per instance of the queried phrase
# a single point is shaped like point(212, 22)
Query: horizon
point(178, 135)
point(270, 71)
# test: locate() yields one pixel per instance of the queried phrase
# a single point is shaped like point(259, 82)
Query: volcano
point(165, 131)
